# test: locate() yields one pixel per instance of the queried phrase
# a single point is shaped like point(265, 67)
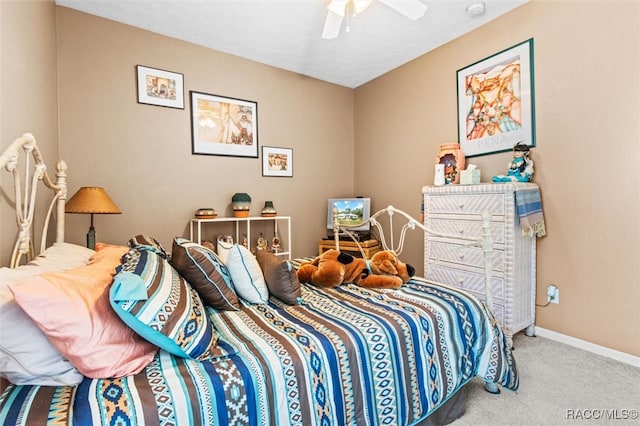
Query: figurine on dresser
point(520, 168)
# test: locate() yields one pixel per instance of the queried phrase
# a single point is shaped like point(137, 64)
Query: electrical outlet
point(553, 294)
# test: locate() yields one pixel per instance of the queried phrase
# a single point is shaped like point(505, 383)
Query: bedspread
point(345, 356)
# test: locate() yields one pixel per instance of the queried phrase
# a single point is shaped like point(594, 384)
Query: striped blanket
point(529, 208)
point(346, 356)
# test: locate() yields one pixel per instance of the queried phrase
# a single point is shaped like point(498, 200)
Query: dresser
point(458, 210)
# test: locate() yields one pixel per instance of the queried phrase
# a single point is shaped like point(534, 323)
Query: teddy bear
point(333, 267)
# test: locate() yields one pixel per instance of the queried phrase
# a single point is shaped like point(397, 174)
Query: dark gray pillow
point(281, 278)
point(206, 273)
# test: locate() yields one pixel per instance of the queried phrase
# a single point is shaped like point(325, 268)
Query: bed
point(159, 338)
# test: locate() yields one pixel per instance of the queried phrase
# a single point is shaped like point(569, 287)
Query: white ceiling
point(287, 33)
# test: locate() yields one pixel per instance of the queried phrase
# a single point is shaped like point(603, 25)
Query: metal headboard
point(34, 170)
point(484, 240)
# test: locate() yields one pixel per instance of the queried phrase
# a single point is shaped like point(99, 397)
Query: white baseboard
point(588, 346)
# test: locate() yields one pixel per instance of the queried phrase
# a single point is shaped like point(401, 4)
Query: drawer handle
point(460, 280)
point(461, 206)
point(461, 231)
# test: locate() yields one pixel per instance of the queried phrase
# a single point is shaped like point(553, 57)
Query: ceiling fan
point(339, 9)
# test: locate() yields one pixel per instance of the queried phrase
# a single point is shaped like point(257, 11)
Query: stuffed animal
point(334, 267)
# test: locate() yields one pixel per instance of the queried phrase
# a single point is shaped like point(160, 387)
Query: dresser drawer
point(466, 280)
point(465, 204)
point(466, 228)
point(469, 256)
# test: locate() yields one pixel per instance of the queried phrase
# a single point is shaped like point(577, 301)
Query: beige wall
point(587, 95)
point(384, 136)
point(142, 154)
point(28, 94)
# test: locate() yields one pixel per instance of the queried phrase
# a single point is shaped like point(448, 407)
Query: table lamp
point(91, 200)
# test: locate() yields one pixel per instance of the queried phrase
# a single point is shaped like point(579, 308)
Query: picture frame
point(224, 126)
point(160, 87)
point(496, 108)
point(277, 161)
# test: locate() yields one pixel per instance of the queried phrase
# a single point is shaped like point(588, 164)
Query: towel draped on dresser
point(529, 207)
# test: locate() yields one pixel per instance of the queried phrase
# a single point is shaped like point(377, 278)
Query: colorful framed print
point(223, 126)
point(496, 102)
point(160, 87)
point(277, 161)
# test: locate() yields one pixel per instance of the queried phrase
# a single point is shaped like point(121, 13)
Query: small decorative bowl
point(206, 213)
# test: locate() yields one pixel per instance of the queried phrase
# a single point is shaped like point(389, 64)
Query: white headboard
point(484, 240)
point(23, 159)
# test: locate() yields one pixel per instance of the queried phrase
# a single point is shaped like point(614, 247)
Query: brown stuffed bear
point(333, 268)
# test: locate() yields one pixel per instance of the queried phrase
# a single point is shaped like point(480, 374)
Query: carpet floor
point(559, 384)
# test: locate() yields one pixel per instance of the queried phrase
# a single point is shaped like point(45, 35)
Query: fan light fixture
point(340, 9)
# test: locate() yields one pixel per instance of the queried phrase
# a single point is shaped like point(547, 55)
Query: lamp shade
point(91, 199)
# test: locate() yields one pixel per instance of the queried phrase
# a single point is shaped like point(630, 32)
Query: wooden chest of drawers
point(458, 210)
point(369, 247)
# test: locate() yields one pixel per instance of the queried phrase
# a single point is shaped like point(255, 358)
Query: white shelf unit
point(458, 210)
point(280, 224)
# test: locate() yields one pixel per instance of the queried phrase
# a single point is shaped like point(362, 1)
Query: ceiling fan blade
point(412, 9)
point(338, 7)
point(361, 5)
point(332, 26)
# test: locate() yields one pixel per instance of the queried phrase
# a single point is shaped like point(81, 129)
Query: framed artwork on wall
point(223, 126)
point(277, 161)
point(496, 102)
point(160, 87)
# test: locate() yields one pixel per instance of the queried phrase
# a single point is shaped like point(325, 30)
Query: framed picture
point(223, 126)
point(277, 161)
point(160, 87)
point(496, 102)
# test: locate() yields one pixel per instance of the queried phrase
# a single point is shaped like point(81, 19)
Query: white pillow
point(246, 275)
point(26, 355)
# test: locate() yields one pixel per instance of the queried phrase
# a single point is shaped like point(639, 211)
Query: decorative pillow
point(145, 242)
point(246, 275)
point(206, 274)
point(153, 299)
point(223, 249)
point(281, 278)
point(72, 309)
point(61, 256)
point(26, 356)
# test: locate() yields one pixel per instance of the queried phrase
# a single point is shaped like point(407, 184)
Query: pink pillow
point(72, 309)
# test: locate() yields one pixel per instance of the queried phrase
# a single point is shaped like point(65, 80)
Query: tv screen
point(351, 211)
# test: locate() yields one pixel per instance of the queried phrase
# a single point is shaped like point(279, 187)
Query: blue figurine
point(520, 168)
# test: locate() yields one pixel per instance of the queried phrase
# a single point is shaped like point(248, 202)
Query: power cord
point(551, 299)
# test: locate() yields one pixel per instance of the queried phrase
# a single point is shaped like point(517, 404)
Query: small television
point(351, 211)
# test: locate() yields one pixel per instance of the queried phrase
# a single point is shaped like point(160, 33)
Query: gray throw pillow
point(280, 276)
point(206, 273)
